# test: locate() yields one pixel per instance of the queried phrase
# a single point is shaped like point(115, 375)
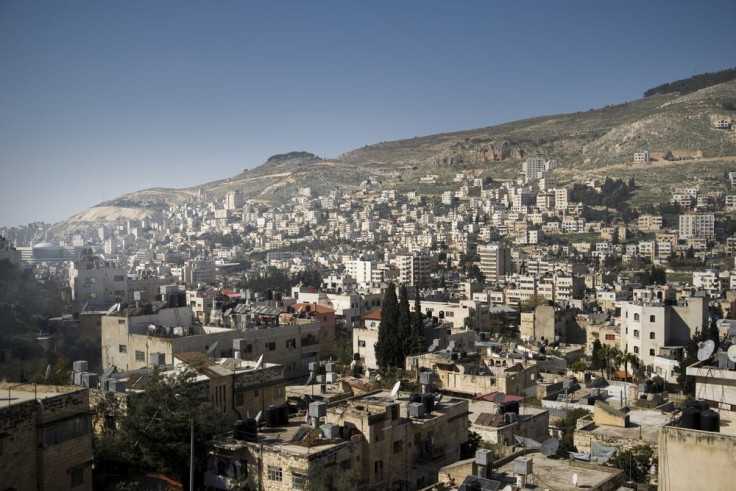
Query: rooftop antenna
point(549, 447)
point(395, 390)
point(259, 363)
point(706, 349)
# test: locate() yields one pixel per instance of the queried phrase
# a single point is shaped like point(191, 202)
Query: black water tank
point(250, 430)
point(690, 418)
point(283, 409)
point(181, 299)
point(415, 397)
point(509, 407)
point(428, 400)
point(710, 421)
point(272, 416)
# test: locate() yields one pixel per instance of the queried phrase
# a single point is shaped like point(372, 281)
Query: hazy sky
point(100, 98)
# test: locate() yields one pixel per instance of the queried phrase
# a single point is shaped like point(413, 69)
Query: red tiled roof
point(374, 315)
point(490, 398)
point(313, 307)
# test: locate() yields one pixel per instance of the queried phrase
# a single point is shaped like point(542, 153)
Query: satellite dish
point(48, 370)
point(550, 446)
point(706, 349)
point(258, 416)
point(259, 363)
point(353, 363)
point(395, 390)
point(575, 479)
point(732, 353)
point(310, 380)
point(378, 377)
point(498, 399)
point(212, 348)
point(432, 348)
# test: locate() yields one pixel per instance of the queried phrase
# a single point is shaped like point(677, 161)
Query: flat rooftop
point(11, 393)
point(557, 473)
point(644, 425)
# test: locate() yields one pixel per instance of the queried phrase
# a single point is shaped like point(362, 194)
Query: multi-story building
point(349, 443)
point(150, 335)
point(97, 283)
point(647, 326)
point(495, 261)
point(45, 438)
point(414, 269)
point(696, 225)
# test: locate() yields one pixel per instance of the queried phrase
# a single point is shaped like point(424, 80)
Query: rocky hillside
point(594, 143)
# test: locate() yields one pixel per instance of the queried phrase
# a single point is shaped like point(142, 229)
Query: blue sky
point(101, 98)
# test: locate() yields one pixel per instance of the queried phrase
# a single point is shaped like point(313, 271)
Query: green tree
point(567, 425)
point(689, 356)
point(636, 463)
point(597, 361)
point(404, 323)
point(416, 345)
point(388, 348)
point(627, 358)
point(154, 432)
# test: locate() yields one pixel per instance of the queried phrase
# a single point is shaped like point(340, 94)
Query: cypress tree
point(388, 347)
point(404, 323)
point(416, 345)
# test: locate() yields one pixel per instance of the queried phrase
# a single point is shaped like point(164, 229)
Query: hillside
point(595, 143)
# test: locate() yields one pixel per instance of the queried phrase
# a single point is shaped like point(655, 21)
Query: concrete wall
point(692, 459)
point(31, 454)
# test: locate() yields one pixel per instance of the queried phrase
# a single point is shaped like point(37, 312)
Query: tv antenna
point(549, 447)
point(706, 349)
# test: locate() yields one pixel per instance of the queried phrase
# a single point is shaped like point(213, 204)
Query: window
point(651, 352)
point(249, 348)
point(271, 346)
point(121, 322)
point(92, 296)
point(119, 277)
point(291, 343)
point(119, 293)
point(255, 393)
point(651, 318)
point(346, 464)
point(274, 473)
point(378, 467)
point(90, 281)
point(610, 337)
point(77, 477)
point(122, 348)
point(140, 356)
point(651, 335)
point(398, 445)
point(361, 343)
point(636, 333)
point(636, 349)
point(299, 481)
point(239, 398)
point(636, 317)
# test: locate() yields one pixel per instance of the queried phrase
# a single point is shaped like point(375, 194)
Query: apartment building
point(97, 283)
point(345, 443)
point(45, 438)
point(696, 225)
point(495, 261)
point(647, 326)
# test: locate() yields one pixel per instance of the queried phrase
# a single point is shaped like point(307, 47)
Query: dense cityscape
point(507, 333)
point(369, 246)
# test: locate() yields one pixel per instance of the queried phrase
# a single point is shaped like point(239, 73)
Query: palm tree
point(626, 357)
point(610, 354)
